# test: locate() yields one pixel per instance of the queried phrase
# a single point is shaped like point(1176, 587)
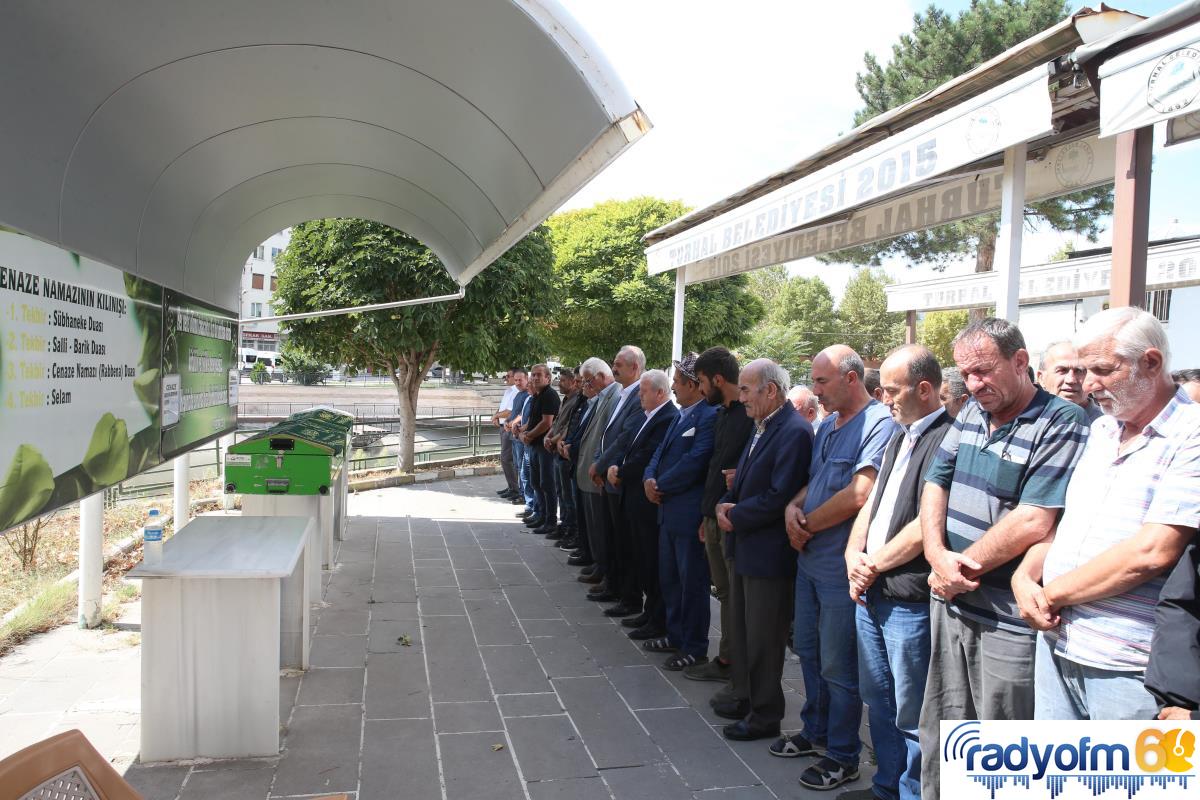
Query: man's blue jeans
point(824, 638)
point(521, 457)
point(1063, 689)
point(893, 663)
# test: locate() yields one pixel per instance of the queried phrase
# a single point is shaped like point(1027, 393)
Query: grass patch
point(52, 607)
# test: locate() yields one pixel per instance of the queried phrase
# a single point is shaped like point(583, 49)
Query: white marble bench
point(223, 611)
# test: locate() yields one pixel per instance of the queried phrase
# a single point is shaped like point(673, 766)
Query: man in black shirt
point(543, 407)
point(717, 370)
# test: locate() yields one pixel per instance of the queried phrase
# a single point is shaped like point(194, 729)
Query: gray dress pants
point(975, 672)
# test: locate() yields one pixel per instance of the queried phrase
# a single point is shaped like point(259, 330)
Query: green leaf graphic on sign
point(27, 487)
point(107, 458)
point(146, 388)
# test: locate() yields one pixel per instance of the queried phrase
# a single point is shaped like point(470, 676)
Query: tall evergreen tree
point(941, 47)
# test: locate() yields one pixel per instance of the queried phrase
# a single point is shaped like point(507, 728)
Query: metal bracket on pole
point(334, 312)
point(1008, 241)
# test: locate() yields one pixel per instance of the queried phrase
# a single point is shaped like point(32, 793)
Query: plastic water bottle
point(152, 536)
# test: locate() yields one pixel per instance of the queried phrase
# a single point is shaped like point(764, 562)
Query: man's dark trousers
point(621, 578)
point(543, 469)
point(506, 460)
point(564, 472)
point(642, 519)
point(598, 528)
point(765, 603)
point(684, 585)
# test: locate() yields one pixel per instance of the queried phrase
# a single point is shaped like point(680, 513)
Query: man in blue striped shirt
point(994, 489)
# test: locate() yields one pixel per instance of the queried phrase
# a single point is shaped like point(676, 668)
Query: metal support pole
point(223, 445)
point(1007, 263)
point(1131, 217)
point(182, 507)
point(91, 559)
point(910, 327)
point(677, 325)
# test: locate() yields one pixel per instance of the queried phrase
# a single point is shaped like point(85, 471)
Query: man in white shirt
point(888, 575)
point(1132, 506)
point(506, 449)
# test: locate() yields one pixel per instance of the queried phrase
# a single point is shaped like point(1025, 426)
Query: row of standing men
point(1041, 526)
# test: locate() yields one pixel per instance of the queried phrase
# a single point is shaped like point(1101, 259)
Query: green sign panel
point(199, 373)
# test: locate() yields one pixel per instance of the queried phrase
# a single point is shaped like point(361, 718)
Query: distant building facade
point(258, 293)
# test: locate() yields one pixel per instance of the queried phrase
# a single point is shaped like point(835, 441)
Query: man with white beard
point(1132, 505)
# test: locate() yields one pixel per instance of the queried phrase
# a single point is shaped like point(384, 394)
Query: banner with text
point(1016, 111)
point(1066, 168)
point(1159, 80)
point(199, 373)
point(80, 351)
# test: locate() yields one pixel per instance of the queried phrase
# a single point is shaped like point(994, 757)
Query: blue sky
point(738, 91)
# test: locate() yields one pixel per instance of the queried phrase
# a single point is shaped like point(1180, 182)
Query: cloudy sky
point(737, 91)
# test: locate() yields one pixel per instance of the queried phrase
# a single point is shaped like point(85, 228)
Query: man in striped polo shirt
point(1133, 504)
point(994, 489)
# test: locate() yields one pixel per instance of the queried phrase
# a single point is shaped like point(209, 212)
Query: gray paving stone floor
point(455, 657)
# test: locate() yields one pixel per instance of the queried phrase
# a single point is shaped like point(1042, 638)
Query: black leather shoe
point(636, 622)
point(741, 732)
point(544, 530)
point(602, 597)
point(621, 610)
point(536, 521)
point(580, 561)
point(554, 534)
point(523, 515)
point(503, 492)
point(567, 543)
point(734, 709)
point(646, 632)
point(591, 578)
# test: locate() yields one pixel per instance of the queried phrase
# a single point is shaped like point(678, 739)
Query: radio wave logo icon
point(955, 746)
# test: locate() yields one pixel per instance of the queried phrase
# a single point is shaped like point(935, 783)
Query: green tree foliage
point(778, 342)
point(806, 306)
point(609, 300)
point(939, 48)
point(863, 319)
point(938, 330)
point(335, 263)
point(767, 284)
point(302, 366)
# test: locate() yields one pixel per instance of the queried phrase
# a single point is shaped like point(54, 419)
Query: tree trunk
point(407, 377)
point(985, 255)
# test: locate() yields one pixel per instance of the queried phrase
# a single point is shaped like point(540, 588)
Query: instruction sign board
point(80, 354)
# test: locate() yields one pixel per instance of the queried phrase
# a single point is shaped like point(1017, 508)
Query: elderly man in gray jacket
point(599, 377)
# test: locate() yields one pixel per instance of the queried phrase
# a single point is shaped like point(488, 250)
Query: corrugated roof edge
point(1052, 43)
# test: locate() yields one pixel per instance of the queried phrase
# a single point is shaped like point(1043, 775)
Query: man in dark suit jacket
point(641, 516)
point(888, 573)
point(772, 469)
point(675, 480)
point(624, 421)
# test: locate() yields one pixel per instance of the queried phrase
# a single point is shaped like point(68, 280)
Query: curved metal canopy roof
point(169, 139)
